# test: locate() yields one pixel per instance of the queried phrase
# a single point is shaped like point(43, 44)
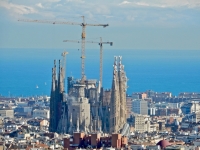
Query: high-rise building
point(140, 106)
point(118, 110)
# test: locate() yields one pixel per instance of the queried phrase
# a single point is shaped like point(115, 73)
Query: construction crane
point(101, 55)
point(83, 35)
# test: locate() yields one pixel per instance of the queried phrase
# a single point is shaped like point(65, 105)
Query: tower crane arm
point(72, 41)
point(50, 22)
point(62, 22)
point(104, 25)
point(111, 43)
point(79, 41)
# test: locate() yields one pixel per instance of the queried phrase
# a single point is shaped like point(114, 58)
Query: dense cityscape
point(137, 98)
point(88, 116)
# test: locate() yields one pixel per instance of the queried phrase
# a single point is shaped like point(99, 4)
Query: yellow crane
point(101, 55)
point(83, 35)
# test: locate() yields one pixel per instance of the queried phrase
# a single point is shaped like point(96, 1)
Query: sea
point(28, 72)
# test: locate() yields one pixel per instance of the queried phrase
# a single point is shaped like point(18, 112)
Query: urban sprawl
point(88, 116)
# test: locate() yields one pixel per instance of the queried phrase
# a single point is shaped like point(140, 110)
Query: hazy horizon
point(134, 24)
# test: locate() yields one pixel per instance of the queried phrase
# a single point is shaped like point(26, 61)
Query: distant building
point(22, 104)
point(174, 105)
point(188, 108)
point(140, 123)
point(140, 106)
point(6, 112)
point(95, 141)
point(193, 117)
point(43, 113)
point(129, 106)
point(158, 96)
point(168, 112)
point(38, 122)
point(23, 110)
point(150, 93)
point(189, 95)
point(163, 94)
point(139, 95)
point(152, 111)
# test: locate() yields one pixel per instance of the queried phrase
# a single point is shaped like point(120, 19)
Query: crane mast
point(83, 35)
point(83, 49)
point(101, 55)
point(101, 62)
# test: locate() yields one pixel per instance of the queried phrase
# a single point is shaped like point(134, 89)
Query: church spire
point(118, 97)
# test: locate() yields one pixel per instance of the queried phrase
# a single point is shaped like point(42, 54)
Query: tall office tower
point(140, 106)
point(118, 98)
point(56, 100)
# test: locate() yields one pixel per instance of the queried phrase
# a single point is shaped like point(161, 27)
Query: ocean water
point(21, 70)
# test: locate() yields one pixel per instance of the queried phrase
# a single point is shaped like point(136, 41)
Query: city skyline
point(132, 24)
point(146, 98)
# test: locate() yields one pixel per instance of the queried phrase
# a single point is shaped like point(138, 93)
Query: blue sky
point(133, 24)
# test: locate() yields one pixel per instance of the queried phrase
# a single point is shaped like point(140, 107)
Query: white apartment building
point(41, 113)
point(141, 123)
point(6, 112)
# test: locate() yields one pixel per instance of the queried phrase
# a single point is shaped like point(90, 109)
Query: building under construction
point(87, 107)
point(83, 107)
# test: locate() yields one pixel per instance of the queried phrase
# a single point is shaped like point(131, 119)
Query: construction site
point(86, 107)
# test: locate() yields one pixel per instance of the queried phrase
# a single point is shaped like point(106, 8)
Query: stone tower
point(57, 95)
point(122, 92)
point(118, 97)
